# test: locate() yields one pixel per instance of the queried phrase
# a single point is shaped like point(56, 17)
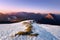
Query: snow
point(46, 32)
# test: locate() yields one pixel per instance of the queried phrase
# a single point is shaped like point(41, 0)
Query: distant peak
point(49, 16)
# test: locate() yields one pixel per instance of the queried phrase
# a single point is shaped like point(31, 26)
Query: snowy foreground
point(46, 32)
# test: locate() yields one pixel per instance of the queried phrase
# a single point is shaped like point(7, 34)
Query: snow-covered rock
point(46, 32)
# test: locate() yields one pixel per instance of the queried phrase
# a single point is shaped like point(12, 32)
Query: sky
point(42, 6)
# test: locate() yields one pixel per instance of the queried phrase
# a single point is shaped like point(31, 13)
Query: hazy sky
point(30, 6)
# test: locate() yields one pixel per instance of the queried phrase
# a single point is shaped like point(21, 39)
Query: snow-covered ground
point(46, 32)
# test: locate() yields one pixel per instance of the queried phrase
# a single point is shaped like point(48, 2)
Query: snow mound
point(46, 32)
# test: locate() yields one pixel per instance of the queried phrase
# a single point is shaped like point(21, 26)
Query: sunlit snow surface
point(46, 32)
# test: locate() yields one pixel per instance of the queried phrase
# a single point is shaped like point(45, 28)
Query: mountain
point(50, 18)
point(45, 32)
point(20, 16)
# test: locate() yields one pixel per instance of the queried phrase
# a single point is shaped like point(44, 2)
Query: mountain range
point(13, 17)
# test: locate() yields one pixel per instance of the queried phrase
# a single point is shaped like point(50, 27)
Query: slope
point(46, 32)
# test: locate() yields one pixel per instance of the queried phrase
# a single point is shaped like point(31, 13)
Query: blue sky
point(43, 6)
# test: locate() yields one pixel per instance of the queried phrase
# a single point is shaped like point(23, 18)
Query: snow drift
point(46, 32)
